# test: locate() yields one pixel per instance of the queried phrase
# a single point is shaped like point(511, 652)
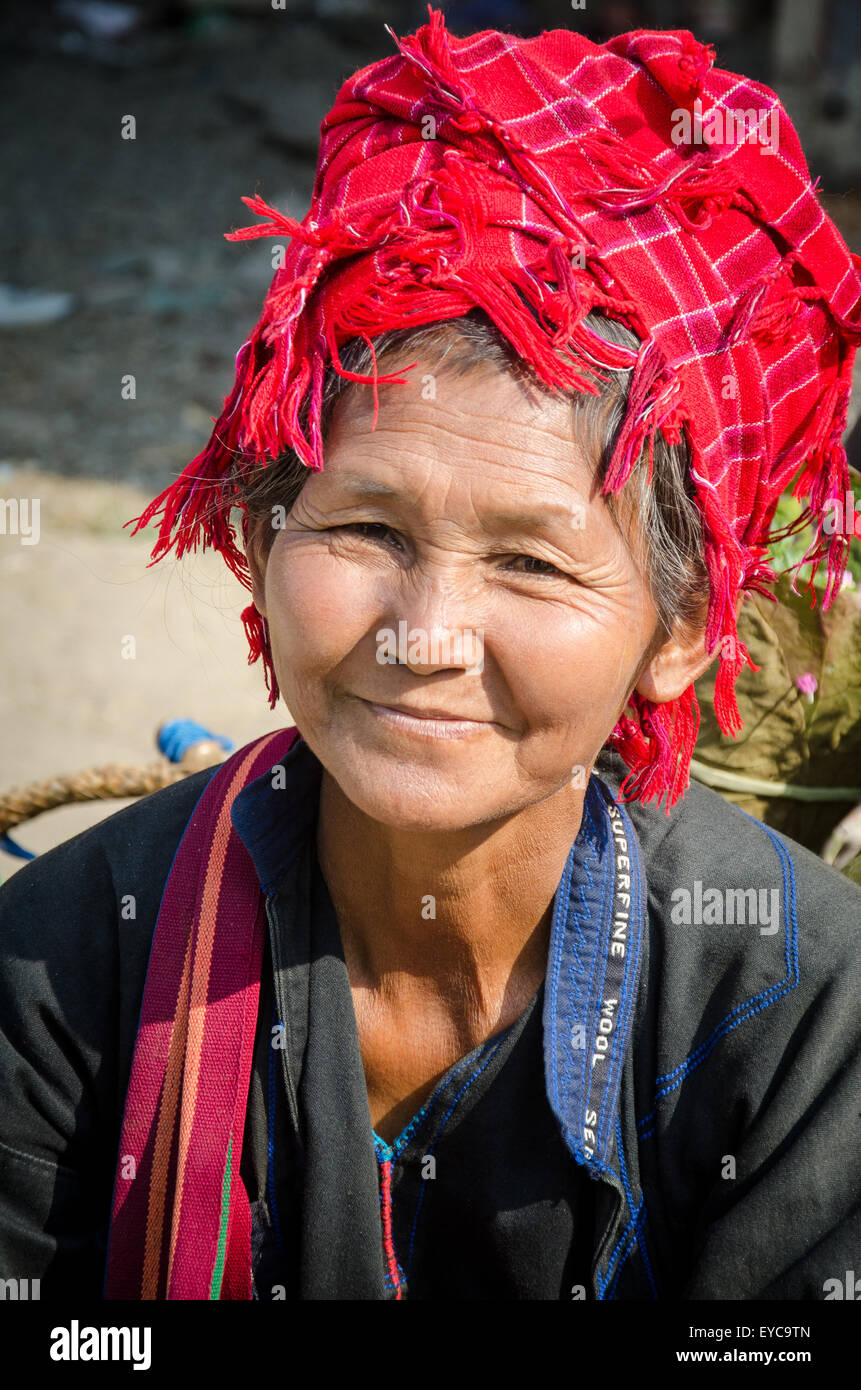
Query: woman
point(439, 1003)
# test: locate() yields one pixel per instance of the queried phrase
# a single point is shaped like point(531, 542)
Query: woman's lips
point(427, 723)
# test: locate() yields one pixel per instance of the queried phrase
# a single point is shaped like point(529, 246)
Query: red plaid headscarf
point(503, 172)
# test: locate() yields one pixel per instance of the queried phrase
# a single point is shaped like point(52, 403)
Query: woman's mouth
point(433, 723)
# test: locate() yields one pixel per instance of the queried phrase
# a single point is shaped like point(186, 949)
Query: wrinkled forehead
point(462, 445)
point(443, 372)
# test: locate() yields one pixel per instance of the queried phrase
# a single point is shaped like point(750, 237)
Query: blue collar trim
point(276, 812)
point(592, 974)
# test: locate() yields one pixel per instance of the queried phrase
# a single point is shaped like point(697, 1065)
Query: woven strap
point(180, 1221)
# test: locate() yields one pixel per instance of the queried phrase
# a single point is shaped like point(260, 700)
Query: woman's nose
point(433, 631)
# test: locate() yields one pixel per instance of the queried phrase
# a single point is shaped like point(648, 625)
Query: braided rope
point(101, 783)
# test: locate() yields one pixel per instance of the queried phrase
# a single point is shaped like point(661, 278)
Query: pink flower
point(807, 684)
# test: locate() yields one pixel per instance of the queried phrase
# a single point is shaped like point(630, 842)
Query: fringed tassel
point(825, 478)
point(428, 52)
point(658, 744)
point(734, 656)
point(695, 190)
point(640, 416)
point(257, 632)
point(694, 64)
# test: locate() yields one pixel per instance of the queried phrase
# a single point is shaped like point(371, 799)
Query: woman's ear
point(675, 665)
point(678, 661)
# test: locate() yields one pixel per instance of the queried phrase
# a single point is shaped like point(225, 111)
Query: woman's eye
point(371, 530)
point(534, 566)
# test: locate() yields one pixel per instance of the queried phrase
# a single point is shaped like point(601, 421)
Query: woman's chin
point(412, 796)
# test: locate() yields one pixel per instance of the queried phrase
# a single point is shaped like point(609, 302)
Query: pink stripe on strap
point(168, 1196)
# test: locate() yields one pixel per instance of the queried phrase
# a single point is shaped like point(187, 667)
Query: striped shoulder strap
point(180, 1219)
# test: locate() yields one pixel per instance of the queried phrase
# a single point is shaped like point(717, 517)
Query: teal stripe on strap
point(221, 1250)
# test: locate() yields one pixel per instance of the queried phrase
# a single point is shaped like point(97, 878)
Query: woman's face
point(456, 623)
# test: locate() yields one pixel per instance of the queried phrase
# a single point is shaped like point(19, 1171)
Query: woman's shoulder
point(76, 927)
point(708, 841)
point(751, 963)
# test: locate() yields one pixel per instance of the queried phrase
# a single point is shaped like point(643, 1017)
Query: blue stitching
point(644, 1252)
point(393, 1151)
point(625, 1255)
point(603, 1281)
point(607, 880)
point(746, 1009)
point(498, 1043)
point(623, 1168)
point(777, 990)
point(577, 1067)
point(640, 1214)
point(630, 977)
point(629, 1198)
point(622, 1239)
point(639, 1229)
point(568, 913)
point(634, 1227)
point(558, 939)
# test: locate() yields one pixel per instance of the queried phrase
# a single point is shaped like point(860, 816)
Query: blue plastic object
point(12, 847)
point(178, 735)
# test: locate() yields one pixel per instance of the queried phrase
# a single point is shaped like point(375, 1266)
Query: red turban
point(540, 179)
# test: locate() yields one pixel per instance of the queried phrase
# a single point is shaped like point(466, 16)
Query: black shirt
point(477, 1198)
point(740, 1045)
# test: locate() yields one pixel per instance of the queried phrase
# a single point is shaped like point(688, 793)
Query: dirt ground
point(132, 230)
point(224, 104)
point(70, 698)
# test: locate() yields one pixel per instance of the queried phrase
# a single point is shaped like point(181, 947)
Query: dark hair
point(660, 518)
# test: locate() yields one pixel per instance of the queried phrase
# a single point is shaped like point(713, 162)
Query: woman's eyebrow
point(369, 487)
point(499, 518)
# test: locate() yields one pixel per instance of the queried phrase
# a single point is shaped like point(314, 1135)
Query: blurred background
point(121, 308)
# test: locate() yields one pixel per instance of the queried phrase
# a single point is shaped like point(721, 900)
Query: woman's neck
point(460, 919)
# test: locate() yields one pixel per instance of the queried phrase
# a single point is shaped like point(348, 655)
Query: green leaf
point(786, 736)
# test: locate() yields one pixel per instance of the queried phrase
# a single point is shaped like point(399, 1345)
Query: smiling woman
point(472, 508)
point(413, 1008)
